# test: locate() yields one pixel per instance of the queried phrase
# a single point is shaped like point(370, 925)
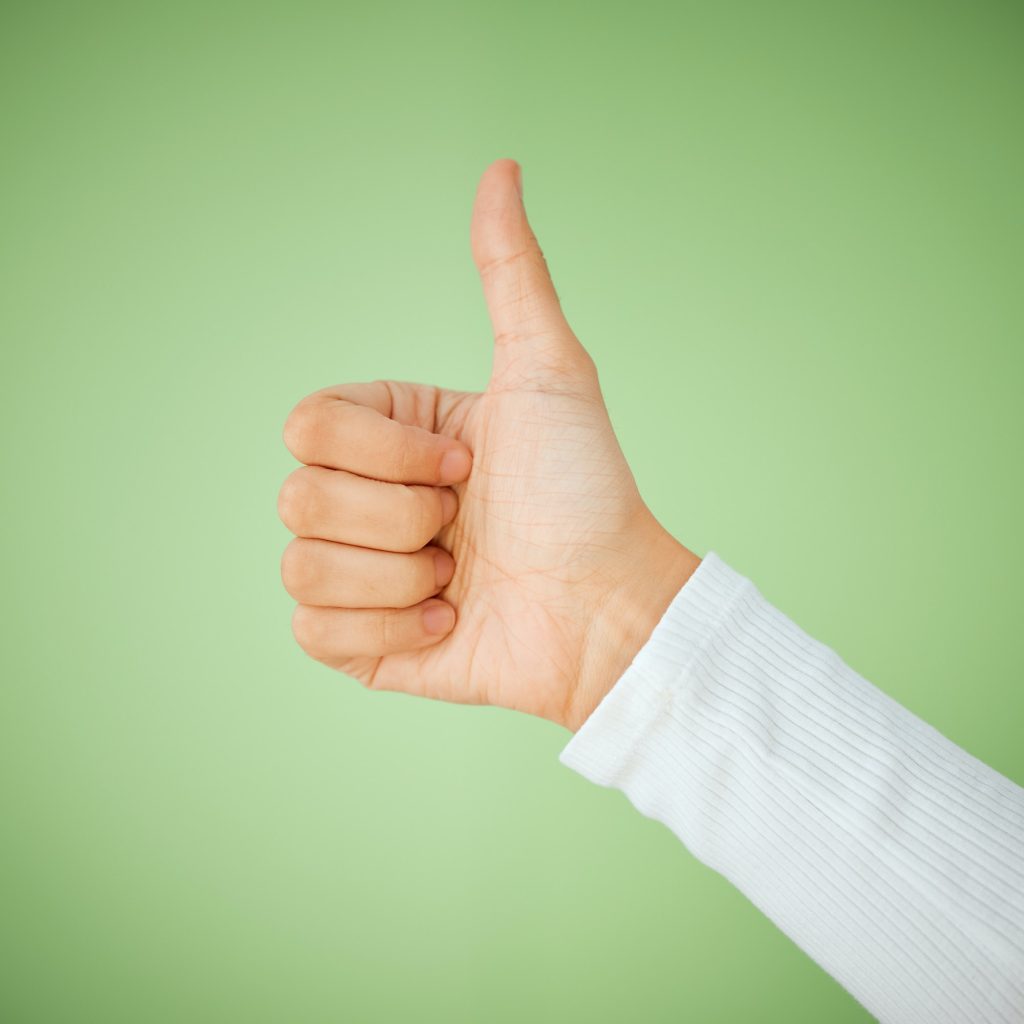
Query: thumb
point(532, 339)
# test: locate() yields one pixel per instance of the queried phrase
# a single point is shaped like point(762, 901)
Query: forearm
point(886, 852)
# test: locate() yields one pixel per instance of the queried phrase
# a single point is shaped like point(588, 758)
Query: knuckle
point(526, 254)
point(420, 518)
point(288, 501)
point(407, 457)
point(389, 631)
point(566, 360)
point(399, 458)
point(296, 500)
point(418, 580)
point(385, 631)
point(300, 430)
point(306, 630)
point(298, 569)
point(426, 577)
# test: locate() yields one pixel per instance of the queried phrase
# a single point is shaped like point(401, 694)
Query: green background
point(791, 236)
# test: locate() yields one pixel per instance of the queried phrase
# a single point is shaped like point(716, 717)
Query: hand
point(479, 547)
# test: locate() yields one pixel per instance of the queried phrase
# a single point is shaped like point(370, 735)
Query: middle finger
point(330, 504)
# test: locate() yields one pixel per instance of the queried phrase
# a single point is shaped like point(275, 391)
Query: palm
point(549, 492)
point(549, 527)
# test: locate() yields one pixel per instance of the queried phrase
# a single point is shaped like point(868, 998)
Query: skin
point(480, 547)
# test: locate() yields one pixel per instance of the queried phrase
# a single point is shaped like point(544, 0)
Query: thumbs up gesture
point(487, 548)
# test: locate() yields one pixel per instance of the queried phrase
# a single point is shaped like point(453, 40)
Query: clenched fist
point(478, 547)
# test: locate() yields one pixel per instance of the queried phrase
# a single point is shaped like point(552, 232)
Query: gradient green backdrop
point(790, 234)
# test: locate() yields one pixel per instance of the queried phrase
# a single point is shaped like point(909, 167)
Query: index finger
point(352, 428)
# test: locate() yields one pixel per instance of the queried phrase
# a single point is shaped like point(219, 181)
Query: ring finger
point(319, 572)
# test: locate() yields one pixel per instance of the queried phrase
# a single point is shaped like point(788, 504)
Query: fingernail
point(519, 179)
point(444, 568)
point(449, 506)
point(455, 465)
point(438, 619)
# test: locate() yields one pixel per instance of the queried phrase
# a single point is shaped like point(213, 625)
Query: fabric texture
point(887, 853)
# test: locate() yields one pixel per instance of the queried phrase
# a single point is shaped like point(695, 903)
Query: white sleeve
point(887, 853)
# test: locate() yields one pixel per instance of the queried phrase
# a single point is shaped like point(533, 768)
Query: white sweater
point(886, 852)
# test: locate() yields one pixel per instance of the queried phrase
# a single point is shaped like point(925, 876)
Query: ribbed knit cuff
point(603, 747)
point(890, 855)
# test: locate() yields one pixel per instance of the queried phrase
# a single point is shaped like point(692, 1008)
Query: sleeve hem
point(603, 748)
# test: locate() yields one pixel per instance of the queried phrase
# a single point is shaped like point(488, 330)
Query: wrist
point(626, 615)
